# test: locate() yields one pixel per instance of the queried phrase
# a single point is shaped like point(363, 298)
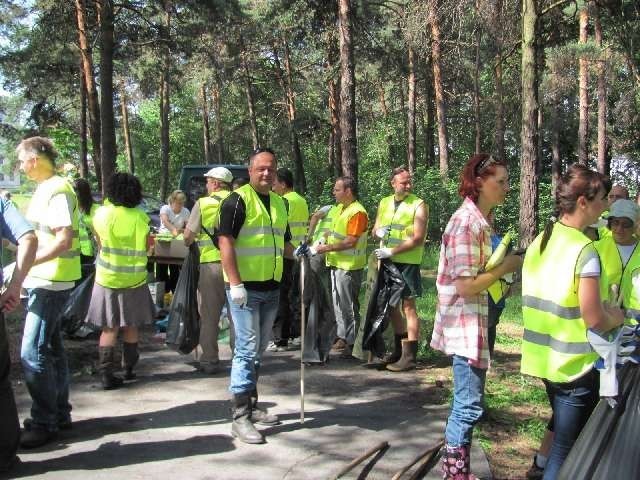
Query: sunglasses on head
point(483, 165)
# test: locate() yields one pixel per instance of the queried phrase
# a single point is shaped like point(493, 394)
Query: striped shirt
point(460, 326)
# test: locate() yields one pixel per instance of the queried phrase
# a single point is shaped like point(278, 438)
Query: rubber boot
point(394, 356)
point(261, 415)
point(109, 380)
point(241, 427)
point(456, 463)
point(130, 358)
point(408, 359)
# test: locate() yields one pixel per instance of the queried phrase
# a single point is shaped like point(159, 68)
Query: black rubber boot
point(408, 359)
point(241, 427)
point(397, 348)
point(109, 380)
point(261, 415)
point(130, 358)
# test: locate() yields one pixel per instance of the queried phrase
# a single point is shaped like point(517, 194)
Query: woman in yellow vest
point(87, 207)
point(121, 298)
point(461, 324)
point(560, 301)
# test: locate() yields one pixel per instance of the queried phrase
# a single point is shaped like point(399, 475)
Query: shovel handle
point(426, 454)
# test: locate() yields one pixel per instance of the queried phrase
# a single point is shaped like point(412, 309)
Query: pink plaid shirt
point(461, 322)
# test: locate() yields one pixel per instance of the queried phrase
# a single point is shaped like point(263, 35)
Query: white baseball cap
point(624, 208)
point(220, 173)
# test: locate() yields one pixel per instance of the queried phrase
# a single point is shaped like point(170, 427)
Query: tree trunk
point(90, 86)
point(206, 137)
point(430, 154)
point(249, 94)
point(583, 127)
point(348, 141)
point(556, 162)
point(476, 85)
point(84, 164)
point(604, 162)
point(107, 120)
point(125, 128)
point(217, 111)
point(335, 162)
point(411, 114)
point(301, 184)
point(529, 135)
point(499, 88)
point(164, 103)
point(383, 102)
point(443, 142)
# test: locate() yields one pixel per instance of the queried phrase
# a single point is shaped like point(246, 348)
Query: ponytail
point(548, 230)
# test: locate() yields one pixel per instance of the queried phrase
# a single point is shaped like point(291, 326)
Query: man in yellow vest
point(211, 293)
point(401, 228)
point(346, 253)
point(286, 326)
point(53, 212)
point(253, 236)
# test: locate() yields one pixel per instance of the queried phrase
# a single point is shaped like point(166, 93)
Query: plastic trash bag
point(76, 307)
point(183, 327)
point(608, 446)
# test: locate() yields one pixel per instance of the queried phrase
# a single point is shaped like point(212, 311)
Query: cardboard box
point(174, 248)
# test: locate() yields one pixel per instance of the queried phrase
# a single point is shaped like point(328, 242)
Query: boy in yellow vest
point(401, 226)
point(53, 211)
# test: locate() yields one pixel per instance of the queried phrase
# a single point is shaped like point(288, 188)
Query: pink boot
point(456, 463)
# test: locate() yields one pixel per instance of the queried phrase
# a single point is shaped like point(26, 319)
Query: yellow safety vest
point(400, 222)
point(554, 345)
point(209, 208)
point(353, 258)
point(87, 241)
point(122, 259)
point(260, 243)
point(631, 295)
point(298, 217)
point(324, 225)
point(65, 267)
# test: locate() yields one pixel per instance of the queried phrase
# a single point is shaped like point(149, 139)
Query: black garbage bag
point(320, 330)
point(608, 445)
point(76, 307)
point(183, 327)
point(385, 295)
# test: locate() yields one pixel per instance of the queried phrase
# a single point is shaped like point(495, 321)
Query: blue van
point(194, 184)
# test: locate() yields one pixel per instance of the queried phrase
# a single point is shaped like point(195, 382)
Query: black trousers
point(9, 424)
point(168, 273)
point(285, 326)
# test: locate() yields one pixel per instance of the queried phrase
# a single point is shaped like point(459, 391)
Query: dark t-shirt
point(232, 216)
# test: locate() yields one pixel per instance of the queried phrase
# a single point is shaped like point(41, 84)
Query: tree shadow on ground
point(116, 454)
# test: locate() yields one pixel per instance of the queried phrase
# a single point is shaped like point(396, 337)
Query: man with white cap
point(211, 292)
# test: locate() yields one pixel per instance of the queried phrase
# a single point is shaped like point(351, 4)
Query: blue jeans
point(572, 405)
point(44, 360)
point(252, 324)
point(466, 407)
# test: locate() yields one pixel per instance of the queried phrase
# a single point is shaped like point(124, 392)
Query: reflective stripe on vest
point(400, 223)
point(298, 216)
point(554, 344)
point(122, 259)
point(260, 242)
point(209, 211)
point(324, 225)
point(66, 266)
point(353, 258)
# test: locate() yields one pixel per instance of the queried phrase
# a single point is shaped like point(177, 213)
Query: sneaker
point(272, 347)
point(62, 424)
point(296, 341)
point(210, 368)
point(535, 472)
point(339, 346)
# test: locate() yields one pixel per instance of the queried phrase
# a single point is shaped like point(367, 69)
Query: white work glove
point(238, 294)
point(382, 232)
point(382, 253)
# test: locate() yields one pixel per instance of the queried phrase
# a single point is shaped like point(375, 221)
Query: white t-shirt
point(625, 252)
point(588, 262)
point(178, 220)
